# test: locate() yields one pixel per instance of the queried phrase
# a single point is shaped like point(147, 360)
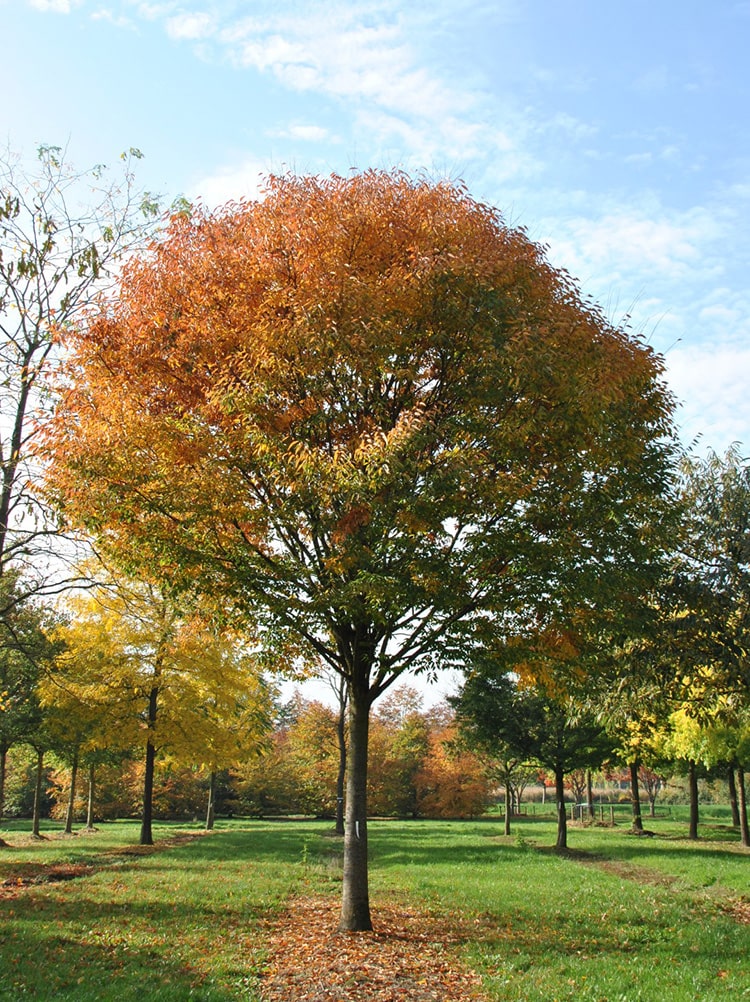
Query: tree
point(499, 714)
point(712, 576)
point(24, 646)
point(62, 237)
point(451, 782)
point(708, 617)
point(492, 720)
point(160, 675)
point(413, 426)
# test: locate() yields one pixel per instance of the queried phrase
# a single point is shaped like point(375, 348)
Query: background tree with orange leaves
point(370, 414)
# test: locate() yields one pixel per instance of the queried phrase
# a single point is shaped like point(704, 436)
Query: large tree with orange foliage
point(369, 413)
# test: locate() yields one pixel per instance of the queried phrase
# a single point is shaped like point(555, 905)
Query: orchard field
point(460, 911)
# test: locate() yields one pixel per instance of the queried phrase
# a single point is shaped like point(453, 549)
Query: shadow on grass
point(103, 963)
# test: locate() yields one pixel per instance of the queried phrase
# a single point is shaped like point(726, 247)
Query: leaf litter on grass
point(410, 955)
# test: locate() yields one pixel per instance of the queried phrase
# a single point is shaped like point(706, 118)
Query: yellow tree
point(221, 711)
point(368, 412)
point(157, 675)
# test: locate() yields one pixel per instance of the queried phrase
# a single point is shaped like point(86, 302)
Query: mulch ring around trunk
point(410, 955)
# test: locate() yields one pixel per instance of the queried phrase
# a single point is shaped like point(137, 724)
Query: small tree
point(495, 712)
point(63, 234)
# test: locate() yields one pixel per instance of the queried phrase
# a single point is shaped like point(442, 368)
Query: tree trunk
point(341, 776)
point(744, 831)
point(147, 837)
point(508, 806)
point(35, 826)
point(72, 795)
point(355, 905)
point(732, 797)
point(635, 796)
point(693, 785)
point(590, 794)
point(90, 804)
point(3, 767)
point(210, 810)
point(562, 819)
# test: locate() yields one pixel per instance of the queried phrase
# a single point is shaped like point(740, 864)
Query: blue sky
point(617, 133)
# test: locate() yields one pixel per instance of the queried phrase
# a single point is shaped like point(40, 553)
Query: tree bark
point(90, 804)
point(3, 767)
point(341, 775)
point(210, 810)
point(508, 805)
point(693, 784)
point(562, 818)
point(744, 830)
point(732, 797)
point(147, 837)
point(35, 821)
point(635, 796)
point(590, 794)
point(72, 795)
point(355, 905)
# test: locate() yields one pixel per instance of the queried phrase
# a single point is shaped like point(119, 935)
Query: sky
point(617, 134)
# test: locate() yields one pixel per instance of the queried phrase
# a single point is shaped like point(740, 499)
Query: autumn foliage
point(369, 414)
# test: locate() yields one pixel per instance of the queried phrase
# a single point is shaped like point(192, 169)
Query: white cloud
point(307, 133)
point(191, 27)
point(232, 183)
point(53, 6)
point(637, 243)
point(710, 382)
point(118, 20)
point(339, 55)
point(153, 11)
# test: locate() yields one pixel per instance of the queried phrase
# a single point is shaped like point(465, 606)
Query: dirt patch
point(409, 955)
point(619, 868)
point(27, 874)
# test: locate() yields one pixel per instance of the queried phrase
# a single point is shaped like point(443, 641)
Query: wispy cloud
point(238, 181)
point(710, 382)
point(306, 133)
point(54, 6)
point(639, 243)
point(190, 27)
point(367, 59)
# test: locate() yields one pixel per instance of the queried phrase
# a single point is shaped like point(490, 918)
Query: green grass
point(618, 919)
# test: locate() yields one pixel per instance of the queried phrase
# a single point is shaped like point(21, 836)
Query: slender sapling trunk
point(562, 818)
point(590, 794)
point(635, 795)
point(693, 784)
point(147, 837)
point(732, 797)
point(35, 822)
point(90, 803)
point(3, 767)
point(210, 810)
point(744, 830)
point(72, 795)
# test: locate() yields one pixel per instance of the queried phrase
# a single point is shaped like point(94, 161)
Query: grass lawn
point(617, 919)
